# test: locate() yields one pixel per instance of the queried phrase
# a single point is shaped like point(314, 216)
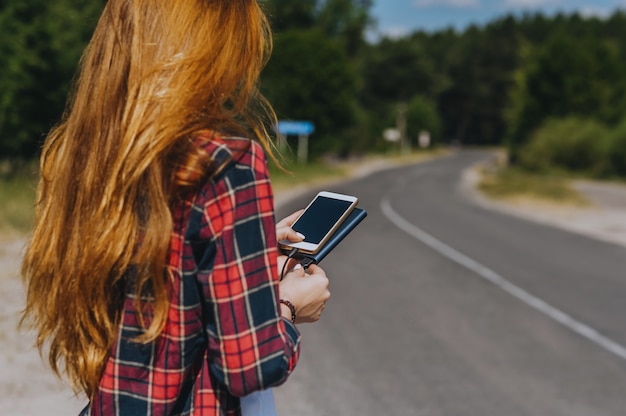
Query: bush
point(422, 116)
point(570, 144)
point(512, 183)
point(616, 139)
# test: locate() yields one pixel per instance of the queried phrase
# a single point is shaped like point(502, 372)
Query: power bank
point(356, 216)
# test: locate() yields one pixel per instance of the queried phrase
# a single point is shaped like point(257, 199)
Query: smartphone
point(356, 216)
point(319, 220)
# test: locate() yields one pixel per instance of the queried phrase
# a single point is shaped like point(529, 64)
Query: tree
point(480, 66)
point(569, 76)
point(310, 78)
point(40, 42)
point(395, 71)
point(313, 71)
point(289, 15)
point(347, 21)
point(342, 20)
point(422, 115)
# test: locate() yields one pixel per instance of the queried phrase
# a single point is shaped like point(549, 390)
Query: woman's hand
point(308, 292)
point(284, 230)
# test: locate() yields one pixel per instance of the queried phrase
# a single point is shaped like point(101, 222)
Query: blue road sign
point(299, 128)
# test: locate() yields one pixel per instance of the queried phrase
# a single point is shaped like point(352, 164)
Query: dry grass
point(17, 196)
point(513, 185)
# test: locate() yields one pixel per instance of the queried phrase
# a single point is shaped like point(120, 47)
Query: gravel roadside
point(27, 386)
point(603, 219)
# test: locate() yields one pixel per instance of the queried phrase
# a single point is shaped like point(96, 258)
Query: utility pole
point(401, 126)
point(303, 148)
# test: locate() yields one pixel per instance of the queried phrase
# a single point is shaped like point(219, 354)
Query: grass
point(305, 175)
point(515, 184)
point(17, 193)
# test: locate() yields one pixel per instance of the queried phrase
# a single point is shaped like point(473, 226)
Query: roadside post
point(405, 145)
point(302, 129)
point(424, 139)
point(392, 135)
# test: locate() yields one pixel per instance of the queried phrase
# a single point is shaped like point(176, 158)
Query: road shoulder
point(604, 219)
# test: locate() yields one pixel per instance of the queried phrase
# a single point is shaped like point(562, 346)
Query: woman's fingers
point(288, 221)
point(308, 292)
point(284, 230)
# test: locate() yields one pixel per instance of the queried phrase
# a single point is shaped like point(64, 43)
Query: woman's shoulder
point(230, 150)
point(240, 166)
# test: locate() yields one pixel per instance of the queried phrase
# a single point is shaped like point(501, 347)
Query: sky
point(401, 17)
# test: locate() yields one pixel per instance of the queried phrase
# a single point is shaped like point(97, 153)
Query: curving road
point(441, 307)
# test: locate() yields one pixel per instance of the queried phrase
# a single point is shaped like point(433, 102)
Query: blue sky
point(400, 17)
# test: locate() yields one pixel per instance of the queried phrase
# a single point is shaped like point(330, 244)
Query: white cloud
point(393, 32)
point(530, 3)
point(587, 11)
point(447, 3)
point(591, 11)
point(397, 31)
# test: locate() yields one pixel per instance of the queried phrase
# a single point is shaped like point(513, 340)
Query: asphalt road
point(441, 307)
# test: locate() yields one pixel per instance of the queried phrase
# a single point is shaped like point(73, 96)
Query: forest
point(550, 89)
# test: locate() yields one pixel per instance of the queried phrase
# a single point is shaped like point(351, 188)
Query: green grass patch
point(307, 174)
point(513, 183)
point(17, 196)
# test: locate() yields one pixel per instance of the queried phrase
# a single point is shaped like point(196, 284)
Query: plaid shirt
point(224, 335)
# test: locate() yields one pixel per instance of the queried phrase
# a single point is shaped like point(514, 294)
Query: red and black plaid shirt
point(224, 336)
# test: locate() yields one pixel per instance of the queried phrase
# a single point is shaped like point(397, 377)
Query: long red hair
point(154, 74)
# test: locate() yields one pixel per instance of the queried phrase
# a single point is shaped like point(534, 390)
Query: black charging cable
point(307, 261)
point(289, 257)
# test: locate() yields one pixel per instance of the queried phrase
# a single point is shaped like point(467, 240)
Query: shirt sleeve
point(250, 347)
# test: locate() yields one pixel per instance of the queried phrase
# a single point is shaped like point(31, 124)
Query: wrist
point(287, 310)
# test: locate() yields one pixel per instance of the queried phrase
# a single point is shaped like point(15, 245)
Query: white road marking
point(494, 278)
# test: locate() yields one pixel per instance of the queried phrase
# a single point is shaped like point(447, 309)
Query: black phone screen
point(320, 217)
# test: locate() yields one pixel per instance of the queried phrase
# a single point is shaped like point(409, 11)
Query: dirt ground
point(603, 219)
point(27, 386)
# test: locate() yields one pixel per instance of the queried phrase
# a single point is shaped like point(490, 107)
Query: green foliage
point(579, 146)
point(470, 74)
point(345, 20)
point(571, 144)
point(422, 115)
point(567, 77)
point(17, 193)
point(395, 71)
point(514, 183)
point(616, 142)
point(310, 78)
point(313, 72)
point(40, 42)
point(342, 20)
point(289, 14)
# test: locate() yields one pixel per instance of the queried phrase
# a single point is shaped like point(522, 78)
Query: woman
point(152, 272)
